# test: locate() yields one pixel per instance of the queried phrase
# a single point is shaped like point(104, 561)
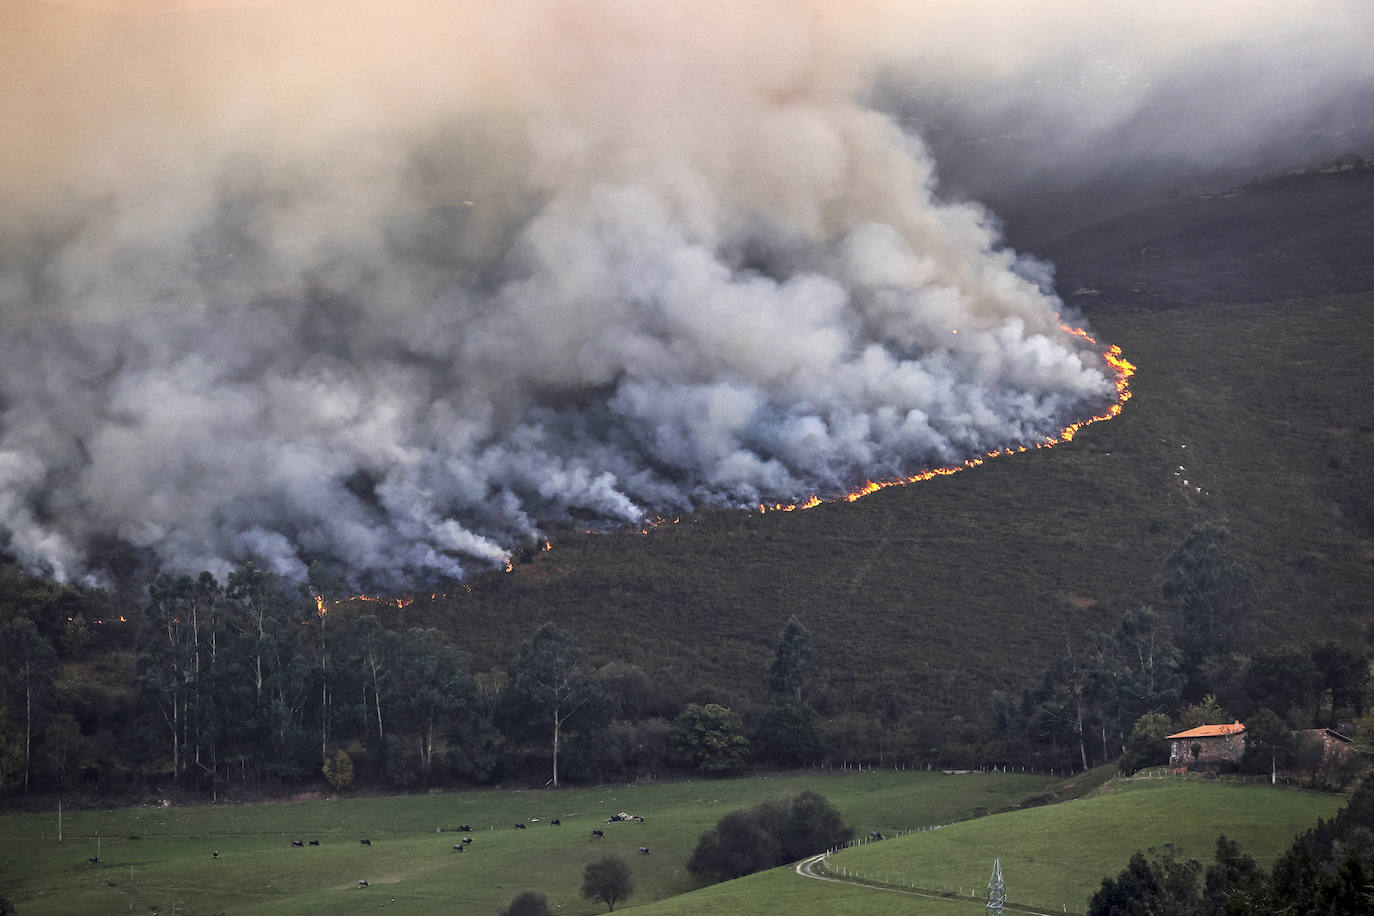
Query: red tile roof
point(1210, 731)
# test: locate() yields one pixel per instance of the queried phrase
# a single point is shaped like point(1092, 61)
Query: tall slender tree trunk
point(324, 693)
point(28, 732)
point(557, 723)
point(1082, 741)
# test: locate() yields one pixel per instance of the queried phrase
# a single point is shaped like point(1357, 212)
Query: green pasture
point(1058, 855)
point(155, 858)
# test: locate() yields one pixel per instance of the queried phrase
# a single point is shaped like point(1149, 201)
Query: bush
point(338, 771)
point(1148, 744)
point(708, 737)
point(766, 836)
point(528, 903)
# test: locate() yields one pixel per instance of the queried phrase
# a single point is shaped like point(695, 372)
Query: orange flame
point(1123, 369)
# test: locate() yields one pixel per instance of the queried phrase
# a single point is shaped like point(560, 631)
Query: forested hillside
point(1026, 611)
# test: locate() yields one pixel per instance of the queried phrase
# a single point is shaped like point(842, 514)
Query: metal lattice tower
point(997, 894)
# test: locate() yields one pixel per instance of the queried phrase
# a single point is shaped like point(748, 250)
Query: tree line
point(258, 681)
point(261, 681)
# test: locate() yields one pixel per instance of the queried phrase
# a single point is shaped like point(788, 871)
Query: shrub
point(766, 836)
point(528, 903)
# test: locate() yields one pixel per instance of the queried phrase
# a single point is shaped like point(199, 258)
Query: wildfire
point(322, 607)
point(1123, 369)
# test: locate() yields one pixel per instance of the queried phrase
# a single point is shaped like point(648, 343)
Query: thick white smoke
point(395, 285)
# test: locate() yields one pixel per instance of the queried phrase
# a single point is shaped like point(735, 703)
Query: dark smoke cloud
point(396, 286)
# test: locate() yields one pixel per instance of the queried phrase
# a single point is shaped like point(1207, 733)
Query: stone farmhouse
point(1325, 747)
point(1207, 746)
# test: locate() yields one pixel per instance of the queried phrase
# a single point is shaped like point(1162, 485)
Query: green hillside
point(152, 856)
point(1052, 857)
point(1059, 854)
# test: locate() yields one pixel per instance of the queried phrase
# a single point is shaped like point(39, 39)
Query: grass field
point(1058, 854)
point(154, 858)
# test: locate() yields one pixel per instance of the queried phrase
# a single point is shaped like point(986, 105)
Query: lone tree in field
point(607, 881)
point(548, 676)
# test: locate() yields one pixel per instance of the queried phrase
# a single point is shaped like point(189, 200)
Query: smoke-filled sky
point(398, 285)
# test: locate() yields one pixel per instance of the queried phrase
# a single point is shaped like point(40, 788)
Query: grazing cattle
point(521, 827)
point(362, 882)
point(314, 842)
point(640, 819)
point(215, 853)
point(94, 860)
point(464, 828)
point(555, 823)
point(600, 833)
point(457, 847)
point(364, 842)
point(295, 843)
point(875, 835)
point(467, 840)
point(644, 850)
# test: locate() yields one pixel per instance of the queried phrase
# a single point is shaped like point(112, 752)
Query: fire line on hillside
point(1121, 367)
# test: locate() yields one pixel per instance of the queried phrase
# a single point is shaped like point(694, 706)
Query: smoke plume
point(398, 286)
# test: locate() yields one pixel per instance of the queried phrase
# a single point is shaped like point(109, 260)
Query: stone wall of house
point(1333, 749)
point(1215, 750)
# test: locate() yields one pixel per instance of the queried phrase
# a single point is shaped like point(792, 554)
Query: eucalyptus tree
point(435, 695)
point(30, 670)
point(549, 679)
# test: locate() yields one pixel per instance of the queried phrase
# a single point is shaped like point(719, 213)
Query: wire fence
point(867, 767)
point(970, 892)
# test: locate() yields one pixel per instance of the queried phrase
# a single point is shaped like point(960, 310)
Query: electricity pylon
point(997, 894)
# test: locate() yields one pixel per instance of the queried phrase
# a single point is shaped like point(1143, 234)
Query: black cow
point(457, 847)
point(314, 842)
point(644, 850)
point(364, 842)
point(464, 828)
point(555, 823)
point(875, 835)
point(362, 882)
point(600, 833)
point(94, 860)
point(467, 840)
point(521, 827)
point(215, 853)
point(295, 843)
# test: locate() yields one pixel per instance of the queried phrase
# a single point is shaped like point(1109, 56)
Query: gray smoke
point(401, 288)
